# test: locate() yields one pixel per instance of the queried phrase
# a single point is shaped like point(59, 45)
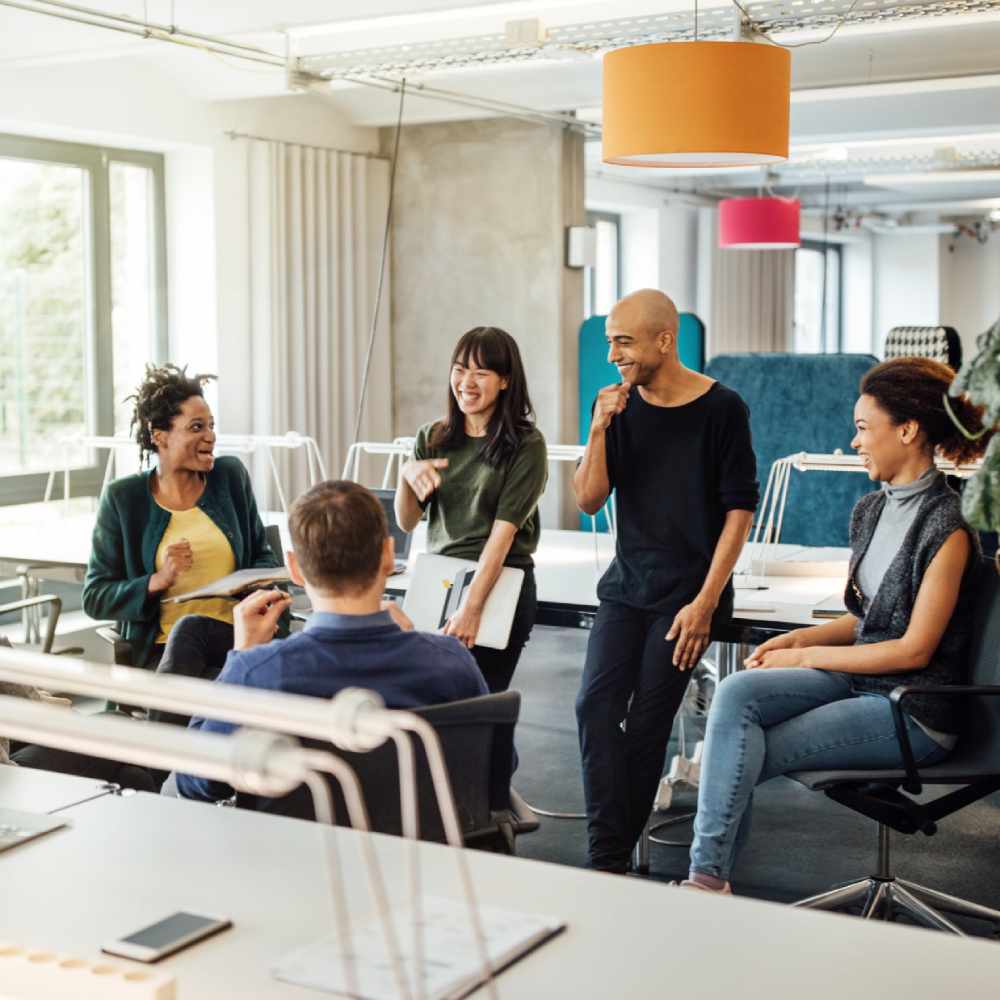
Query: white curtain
point(316, 221)
point(753, 300)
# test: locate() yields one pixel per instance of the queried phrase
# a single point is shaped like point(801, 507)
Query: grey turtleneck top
point(899, 512)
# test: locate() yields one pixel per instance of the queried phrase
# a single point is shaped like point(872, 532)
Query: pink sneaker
point(687, 883)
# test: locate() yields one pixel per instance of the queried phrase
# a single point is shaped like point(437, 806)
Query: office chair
point(477, 737)
point(39, 601)
point(974, 766)
point(940, 343)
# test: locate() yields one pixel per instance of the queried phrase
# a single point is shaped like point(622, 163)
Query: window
point(818, 270)
point(602, 282)
point(82, 301)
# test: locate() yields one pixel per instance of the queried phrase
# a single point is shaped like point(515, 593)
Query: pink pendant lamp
point(759, 223)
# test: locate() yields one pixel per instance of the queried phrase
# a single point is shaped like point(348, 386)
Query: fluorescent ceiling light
point(895, 88)
point(902, 142)
point(443, 15)
point(933, 177)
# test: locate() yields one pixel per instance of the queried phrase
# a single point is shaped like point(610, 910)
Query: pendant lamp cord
point(382, 264)
point(696, 20)
point(752, 24)
point(826, 263)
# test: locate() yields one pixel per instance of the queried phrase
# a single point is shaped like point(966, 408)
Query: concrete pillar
point(479, 239)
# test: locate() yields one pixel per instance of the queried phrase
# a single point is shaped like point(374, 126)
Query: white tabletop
point(127, 862)
point(29, 790)
point(568, 564)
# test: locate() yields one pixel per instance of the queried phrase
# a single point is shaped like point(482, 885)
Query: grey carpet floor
point(801, 842)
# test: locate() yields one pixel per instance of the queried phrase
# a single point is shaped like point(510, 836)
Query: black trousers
point(629, 694)
point(497, 665)
point(197, 646)
point(66, 762)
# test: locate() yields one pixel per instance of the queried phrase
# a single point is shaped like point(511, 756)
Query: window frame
point(824, 247)
point(96, 163)
point(615, 219)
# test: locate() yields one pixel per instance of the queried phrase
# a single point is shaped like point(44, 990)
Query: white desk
point(34, 791)
point(126, 862)
point(568, 565)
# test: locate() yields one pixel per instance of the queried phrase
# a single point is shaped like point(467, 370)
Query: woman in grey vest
point(817, 698)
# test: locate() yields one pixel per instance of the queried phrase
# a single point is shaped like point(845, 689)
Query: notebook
point(18, 827)
point(237, 584)
point(452, 967)
point(830, 607)
point(403, 539)
point(439, 587)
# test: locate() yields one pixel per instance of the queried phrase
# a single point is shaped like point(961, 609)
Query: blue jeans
point(768, 722)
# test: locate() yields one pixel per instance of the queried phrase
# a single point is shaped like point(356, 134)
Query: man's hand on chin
point(255, 619)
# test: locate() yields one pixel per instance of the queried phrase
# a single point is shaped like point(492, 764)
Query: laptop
point(403, 539)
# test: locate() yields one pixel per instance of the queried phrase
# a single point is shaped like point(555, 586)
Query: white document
point(429, 600)
point(452, 967)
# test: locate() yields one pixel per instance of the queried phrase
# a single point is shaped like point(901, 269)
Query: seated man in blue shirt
point(342, 554)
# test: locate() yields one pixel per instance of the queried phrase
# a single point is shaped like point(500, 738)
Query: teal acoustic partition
point(596, 371)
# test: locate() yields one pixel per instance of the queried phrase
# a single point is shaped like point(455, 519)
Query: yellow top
point(213, 558)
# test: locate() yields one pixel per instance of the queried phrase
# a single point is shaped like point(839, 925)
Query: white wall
point(659, 238)
point(858, 299)
point(970, 286)
point(136, 104)
point(906, 283)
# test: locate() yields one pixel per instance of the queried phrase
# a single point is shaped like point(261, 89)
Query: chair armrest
point(53, 618)
point(121, 648)
point(913, 784)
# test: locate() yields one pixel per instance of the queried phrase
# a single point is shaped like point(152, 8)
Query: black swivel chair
point(477, 738)
point(974, 767)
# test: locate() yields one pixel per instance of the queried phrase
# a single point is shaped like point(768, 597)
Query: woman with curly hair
point(818, 698)
point(171, 529)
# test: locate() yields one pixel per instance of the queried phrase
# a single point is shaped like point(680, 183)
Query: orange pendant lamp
point(696, 104)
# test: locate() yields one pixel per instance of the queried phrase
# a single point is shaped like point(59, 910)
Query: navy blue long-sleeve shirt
point(408, 669)
point(676, 471)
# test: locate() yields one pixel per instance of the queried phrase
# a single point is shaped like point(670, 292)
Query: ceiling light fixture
point(443, 15)
point(933, 177)
point(759, 223)
point(696, 104)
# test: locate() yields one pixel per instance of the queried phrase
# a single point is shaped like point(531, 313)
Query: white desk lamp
point(354, 720)
point(767, 530)
point(253, 761)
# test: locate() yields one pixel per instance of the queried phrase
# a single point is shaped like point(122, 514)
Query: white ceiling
point(861, 85)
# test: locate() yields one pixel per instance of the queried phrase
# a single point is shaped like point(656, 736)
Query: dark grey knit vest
point(889, 613)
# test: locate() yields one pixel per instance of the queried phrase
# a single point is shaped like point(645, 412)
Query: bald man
point(675, 447)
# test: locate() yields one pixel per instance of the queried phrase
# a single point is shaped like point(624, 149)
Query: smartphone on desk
point(166, 936)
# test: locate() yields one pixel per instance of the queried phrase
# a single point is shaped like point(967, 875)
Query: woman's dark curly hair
point(914, 389)
point(158, 399)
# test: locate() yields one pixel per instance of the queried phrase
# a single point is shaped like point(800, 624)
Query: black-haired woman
point(171, 529)
point(479, 473)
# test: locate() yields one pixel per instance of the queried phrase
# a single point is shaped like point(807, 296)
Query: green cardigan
point(130, 526)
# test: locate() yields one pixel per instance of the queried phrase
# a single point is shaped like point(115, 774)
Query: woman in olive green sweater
point(479, 474)
point(172, 529)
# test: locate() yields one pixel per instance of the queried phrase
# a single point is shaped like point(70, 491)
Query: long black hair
point(493, 349)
